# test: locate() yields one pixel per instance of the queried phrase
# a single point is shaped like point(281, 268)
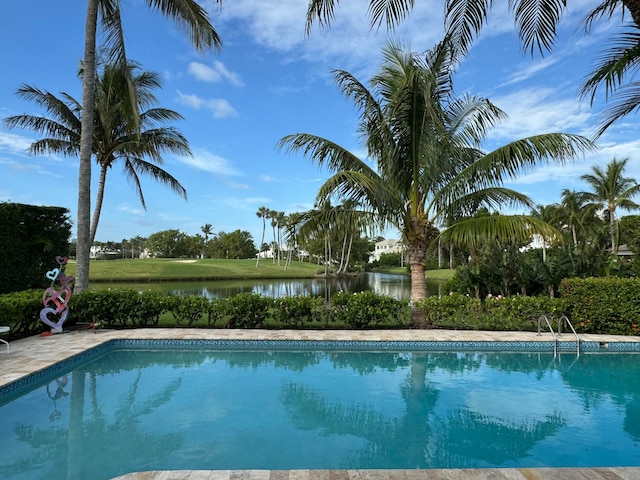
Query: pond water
point(396, 286)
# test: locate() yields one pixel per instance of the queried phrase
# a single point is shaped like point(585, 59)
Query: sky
point(269, 80)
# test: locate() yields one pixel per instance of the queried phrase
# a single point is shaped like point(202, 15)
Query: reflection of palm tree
point(60, 450)
point(421, 437)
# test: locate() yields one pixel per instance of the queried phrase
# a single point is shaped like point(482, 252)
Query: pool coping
point(35, 354)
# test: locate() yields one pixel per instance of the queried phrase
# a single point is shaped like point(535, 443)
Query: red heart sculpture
point(59, 298)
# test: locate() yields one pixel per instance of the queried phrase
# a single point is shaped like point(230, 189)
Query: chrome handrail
point(565, 318)
point(555, 338)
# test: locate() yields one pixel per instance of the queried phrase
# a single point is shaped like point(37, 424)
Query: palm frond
point(536, 22)
point(192, 19)
point(475, 232)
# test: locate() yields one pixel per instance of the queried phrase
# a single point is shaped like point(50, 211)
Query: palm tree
point(536, 23)
point(207, 229)
point(263, 213)
point(429, 166)
point(611, 190)
point(190, 17)
point(139, 149)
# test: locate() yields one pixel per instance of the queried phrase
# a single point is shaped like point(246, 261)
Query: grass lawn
point(170, 269)
point(167, 269)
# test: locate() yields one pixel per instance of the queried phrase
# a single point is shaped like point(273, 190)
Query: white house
point(386, 246)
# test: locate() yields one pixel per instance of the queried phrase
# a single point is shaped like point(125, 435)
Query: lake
point(396, 286)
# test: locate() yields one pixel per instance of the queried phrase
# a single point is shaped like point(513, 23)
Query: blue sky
point(270, 80)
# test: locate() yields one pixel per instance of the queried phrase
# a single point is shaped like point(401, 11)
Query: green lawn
point(167, 269)
point(174, 269)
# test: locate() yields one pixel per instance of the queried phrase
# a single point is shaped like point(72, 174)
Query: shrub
point(21, 312)
point(297, 310)
point(603, 305)
point(245, 310)
point(187, 310)
point(366, 309)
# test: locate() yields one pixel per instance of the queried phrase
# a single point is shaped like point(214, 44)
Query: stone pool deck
point(32, 354)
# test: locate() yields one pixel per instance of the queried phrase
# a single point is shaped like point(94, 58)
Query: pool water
point(136, 409)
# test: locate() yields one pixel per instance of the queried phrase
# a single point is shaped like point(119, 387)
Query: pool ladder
point(561, 320)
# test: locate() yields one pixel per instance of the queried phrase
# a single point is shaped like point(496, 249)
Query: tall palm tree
point(574, 213)
point(611, 190)
point(139, 148)
point(263, 213)
point(207, 229)
point(191, 18)
point(430, 168)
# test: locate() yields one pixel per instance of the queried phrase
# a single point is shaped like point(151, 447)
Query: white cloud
point(216, 73)
point(219, 107)
point(208, 162)
point(238, 186)
point(16, 144)
point(267, 178)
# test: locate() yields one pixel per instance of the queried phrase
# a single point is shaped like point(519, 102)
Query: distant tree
point(611, 190)
point(168, 244)
point(262, 213)
point(207, 229)
point(237, 244)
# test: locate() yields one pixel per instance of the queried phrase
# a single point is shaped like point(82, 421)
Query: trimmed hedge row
point(603, 305)
point(518, 313)
point(594, 305)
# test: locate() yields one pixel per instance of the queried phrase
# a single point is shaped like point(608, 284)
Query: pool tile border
point(484, 346)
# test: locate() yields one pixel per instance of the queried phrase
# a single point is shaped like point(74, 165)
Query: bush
point(366, 309)
point(187, 310)
point(494, 313)
point(245, 310)
point(21, 312)
point(603, 305)
point(297, 310)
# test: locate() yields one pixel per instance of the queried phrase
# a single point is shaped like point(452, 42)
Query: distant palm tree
point(191, 18)
point(138, 148)
point(611, 190)
point(263, 213)
point(207, 229)
point(429, 167)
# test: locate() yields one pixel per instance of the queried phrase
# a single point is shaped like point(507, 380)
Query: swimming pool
point(260, 406)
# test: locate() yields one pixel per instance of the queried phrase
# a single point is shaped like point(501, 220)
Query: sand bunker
point(185, 261)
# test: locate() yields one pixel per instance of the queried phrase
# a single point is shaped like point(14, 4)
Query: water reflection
point(177, 409)
point(396, 286)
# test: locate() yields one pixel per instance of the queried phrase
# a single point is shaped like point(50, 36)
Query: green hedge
point(517, 313)
point(594, 305)
point(603, 305)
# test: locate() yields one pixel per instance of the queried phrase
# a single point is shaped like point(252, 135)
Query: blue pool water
point(126, 410)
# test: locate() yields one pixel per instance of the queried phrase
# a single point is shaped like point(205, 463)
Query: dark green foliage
point(367, 309)
point(187, 310)
point(237, 244)
point(603, 305)
point(494, 313)
point(245, 310)
point(31, 238)
point(117, 307)
point(297, 310)
point(21, 312)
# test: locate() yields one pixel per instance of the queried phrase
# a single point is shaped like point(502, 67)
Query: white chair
point(4, 329)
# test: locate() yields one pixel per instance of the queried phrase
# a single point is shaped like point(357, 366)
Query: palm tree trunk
point(261, 243)
point(99, 198)
point(418, 284)
point(83, 239)
point(634, 9)
point(612, 232)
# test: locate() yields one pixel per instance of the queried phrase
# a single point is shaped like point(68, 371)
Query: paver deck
point(32, 354)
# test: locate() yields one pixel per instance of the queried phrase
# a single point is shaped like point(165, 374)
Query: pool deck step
point(617, 473)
